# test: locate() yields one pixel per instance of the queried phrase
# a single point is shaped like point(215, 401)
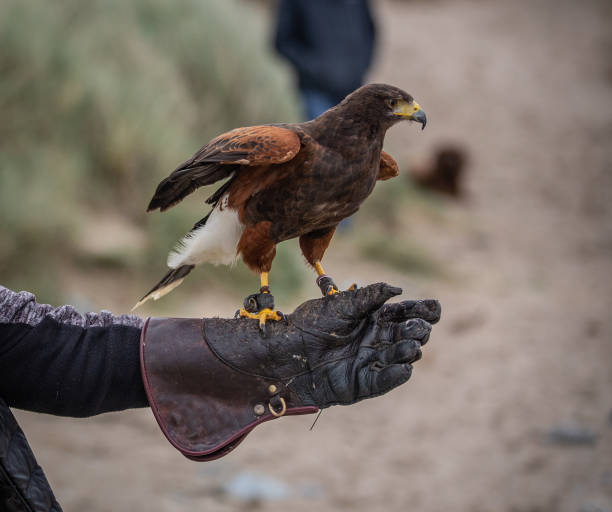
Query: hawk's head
point(386, 103)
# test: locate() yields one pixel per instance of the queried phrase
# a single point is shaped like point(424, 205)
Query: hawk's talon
point(263, 316)
point(326, 285)
point(260, 306)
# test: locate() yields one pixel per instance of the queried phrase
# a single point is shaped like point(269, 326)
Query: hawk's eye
point(392, 103)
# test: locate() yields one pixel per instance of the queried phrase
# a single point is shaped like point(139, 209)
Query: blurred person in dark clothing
point(330, 44)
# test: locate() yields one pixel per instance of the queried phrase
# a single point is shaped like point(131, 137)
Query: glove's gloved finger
point(407, 351)
point(381, 378)
point(370, 298)
point(389, 333)
point(415, 329)
point(381, 335)
point(429, 310)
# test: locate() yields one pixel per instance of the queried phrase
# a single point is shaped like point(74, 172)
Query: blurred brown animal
point(444, 173)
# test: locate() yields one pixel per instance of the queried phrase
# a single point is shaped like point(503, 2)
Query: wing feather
point(224, 155)
point(388, 167)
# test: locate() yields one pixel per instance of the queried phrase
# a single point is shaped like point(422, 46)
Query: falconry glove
point(211, 381)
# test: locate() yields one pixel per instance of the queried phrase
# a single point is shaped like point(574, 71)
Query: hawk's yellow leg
point(321, 272)
point(333, 290)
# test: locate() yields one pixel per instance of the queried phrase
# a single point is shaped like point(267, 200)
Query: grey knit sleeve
point(21, 307)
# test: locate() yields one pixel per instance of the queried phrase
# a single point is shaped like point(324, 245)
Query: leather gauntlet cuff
point(205, 406)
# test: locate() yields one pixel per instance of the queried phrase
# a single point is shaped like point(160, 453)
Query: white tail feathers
point(214, 242)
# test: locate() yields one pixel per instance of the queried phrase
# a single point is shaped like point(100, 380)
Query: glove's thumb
point(368, 299)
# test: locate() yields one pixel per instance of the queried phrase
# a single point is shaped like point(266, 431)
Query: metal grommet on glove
point(283, 408)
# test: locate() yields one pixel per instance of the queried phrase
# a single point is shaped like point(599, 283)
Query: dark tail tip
point(171, 280)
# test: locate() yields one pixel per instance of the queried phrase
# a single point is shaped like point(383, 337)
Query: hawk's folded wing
point(388, 167)
point(224, 155)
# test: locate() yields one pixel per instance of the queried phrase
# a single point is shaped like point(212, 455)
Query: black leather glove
point(211, 381)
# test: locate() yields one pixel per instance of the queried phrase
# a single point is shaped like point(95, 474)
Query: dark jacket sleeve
point(57, 361)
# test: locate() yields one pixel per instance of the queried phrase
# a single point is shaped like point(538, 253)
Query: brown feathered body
point(283, 181)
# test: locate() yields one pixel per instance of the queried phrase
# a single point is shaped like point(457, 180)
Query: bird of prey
point(283, 181)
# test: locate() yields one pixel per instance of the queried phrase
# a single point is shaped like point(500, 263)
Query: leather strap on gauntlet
point(204, 406)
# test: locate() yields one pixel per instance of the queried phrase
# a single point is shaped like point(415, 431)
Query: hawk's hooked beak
point(411, 111)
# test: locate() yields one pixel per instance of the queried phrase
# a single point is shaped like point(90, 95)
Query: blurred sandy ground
point(524, 347)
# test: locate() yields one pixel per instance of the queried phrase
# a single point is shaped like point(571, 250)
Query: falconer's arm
point(59, 361)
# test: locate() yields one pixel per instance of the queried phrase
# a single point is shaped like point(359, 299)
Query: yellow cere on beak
point(405, 109)
point(411, 111)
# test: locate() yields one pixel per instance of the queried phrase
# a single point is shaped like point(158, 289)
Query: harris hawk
point(283, 181)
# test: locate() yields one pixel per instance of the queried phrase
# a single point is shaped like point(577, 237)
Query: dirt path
point(525, 342)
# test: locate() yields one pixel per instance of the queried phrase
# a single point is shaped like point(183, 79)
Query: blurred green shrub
point(99, 100)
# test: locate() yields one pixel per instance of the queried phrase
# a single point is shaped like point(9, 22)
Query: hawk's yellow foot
point(260, 306)
point(326, 284)
point(332, 290)
point(263, 316)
